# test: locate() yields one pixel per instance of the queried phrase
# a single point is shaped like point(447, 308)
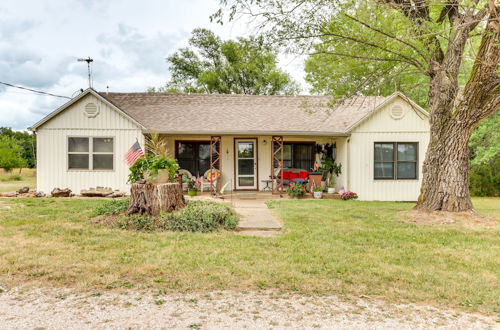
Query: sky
point(41, 40)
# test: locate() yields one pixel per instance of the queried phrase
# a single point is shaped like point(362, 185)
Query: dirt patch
point(61, 309)
point(470, 220)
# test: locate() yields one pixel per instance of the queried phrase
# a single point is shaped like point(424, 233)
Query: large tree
point(25, 140)
point(430, 37)
point(242, 66)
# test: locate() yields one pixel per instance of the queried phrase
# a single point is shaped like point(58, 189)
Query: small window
point(85, 153)
point(395, 160)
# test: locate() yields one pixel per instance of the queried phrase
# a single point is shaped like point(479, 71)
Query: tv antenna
point(88, 60)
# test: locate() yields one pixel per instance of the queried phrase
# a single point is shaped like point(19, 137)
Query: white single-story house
point(380, 141)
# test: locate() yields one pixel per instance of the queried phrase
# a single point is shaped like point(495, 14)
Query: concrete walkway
point(256, 218)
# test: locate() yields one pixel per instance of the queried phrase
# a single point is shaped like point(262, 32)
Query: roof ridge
point(231, 95)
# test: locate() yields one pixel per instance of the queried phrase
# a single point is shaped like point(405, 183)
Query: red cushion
point(286, 175)
point(294, 175)
point(303, 174)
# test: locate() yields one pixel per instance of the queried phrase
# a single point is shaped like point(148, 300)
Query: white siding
point(52, 158)
point(381, 127)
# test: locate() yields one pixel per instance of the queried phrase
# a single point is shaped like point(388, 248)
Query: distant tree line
point(17, 149)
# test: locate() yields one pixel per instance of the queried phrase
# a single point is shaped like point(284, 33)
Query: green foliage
point(296, 189)
point(484, 146)
point(196, 216)
point(148, 167)
point(244, 66)
point(201, 216)
point(112, 207)
point(26, 141)
point(318, 189)
point(11, 154)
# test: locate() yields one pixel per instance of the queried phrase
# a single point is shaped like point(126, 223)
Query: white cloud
point(129, 40)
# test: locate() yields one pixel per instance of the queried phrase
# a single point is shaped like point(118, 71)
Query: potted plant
point(330, 185)
point(318, 192)
point(153, 169)
point(296, 190)
point(192, 188)
point(329, 170)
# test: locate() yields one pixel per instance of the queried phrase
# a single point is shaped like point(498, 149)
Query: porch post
point(277, 156)
point(215, 162)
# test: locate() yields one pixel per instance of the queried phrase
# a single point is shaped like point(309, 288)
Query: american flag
point(135, 152)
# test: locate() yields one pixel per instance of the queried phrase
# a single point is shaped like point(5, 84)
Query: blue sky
point(40, 41)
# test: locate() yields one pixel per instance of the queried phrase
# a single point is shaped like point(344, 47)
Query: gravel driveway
point(58, 309)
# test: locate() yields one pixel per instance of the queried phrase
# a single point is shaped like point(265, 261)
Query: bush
point(201, 216)
point(296, 189)
point(348, 195)
point(112, 207)
point(16, 177)
point(196, 216)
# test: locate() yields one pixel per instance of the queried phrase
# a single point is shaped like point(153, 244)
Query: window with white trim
point(90, 153)
point(395, 161)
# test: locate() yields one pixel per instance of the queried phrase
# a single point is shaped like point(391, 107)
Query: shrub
point(139, 222)
point(201, 216)
point(16, 177)
point(112, 207)
point(296, 190)
point(348, 195)
point(196, 216)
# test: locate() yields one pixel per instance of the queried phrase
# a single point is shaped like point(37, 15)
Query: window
point(395, 160)
point(85, 153)
point(297, 155)
point(193, 156)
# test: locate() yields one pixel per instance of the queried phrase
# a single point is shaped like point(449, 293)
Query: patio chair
point(207, 179)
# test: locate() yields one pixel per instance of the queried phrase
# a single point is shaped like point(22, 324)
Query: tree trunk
point(454, 115)
point(148, 198)
point(445, 185)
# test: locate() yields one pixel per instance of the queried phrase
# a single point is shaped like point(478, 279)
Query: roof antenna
point(107, 89)
point(88, 60)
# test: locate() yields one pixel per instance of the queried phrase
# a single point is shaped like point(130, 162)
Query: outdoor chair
point(207, 179)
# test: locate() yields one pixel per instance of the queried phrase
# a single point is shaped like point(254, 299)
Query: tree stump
point(148, 198)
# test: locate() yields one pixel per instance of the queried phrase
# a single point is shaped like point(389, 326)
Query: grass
point(329, 247)
point(11, 181)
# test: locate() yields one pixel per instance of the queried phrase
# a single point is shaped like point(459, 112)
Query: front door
point(246, 163)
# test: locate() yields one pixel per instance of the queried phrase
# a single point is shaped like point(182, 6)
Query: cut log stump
point(148, 198)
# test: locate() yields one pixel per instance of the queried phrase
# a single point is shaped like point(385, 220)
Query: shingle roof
point(218, 113)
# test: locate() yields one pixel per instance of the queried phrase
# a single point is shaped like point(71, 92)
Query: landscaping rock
point(9, 194)
point(56, 192)
point(39, 194)
point(117, 193)
point(23, 190)
point(97, 192)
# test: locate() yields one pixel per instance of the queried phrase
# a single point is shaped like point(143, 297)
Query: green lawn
point(11, 181)
point(329, 247)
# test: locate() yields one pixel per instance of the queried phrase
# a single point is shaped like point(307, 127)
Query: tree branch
point(408, 59)
point(386, 34)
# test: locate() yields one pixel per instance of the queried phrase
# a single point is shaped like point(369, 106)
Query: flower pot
point(161, 177)
point(318, 194)
point(192, 192)
point(331, 190)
